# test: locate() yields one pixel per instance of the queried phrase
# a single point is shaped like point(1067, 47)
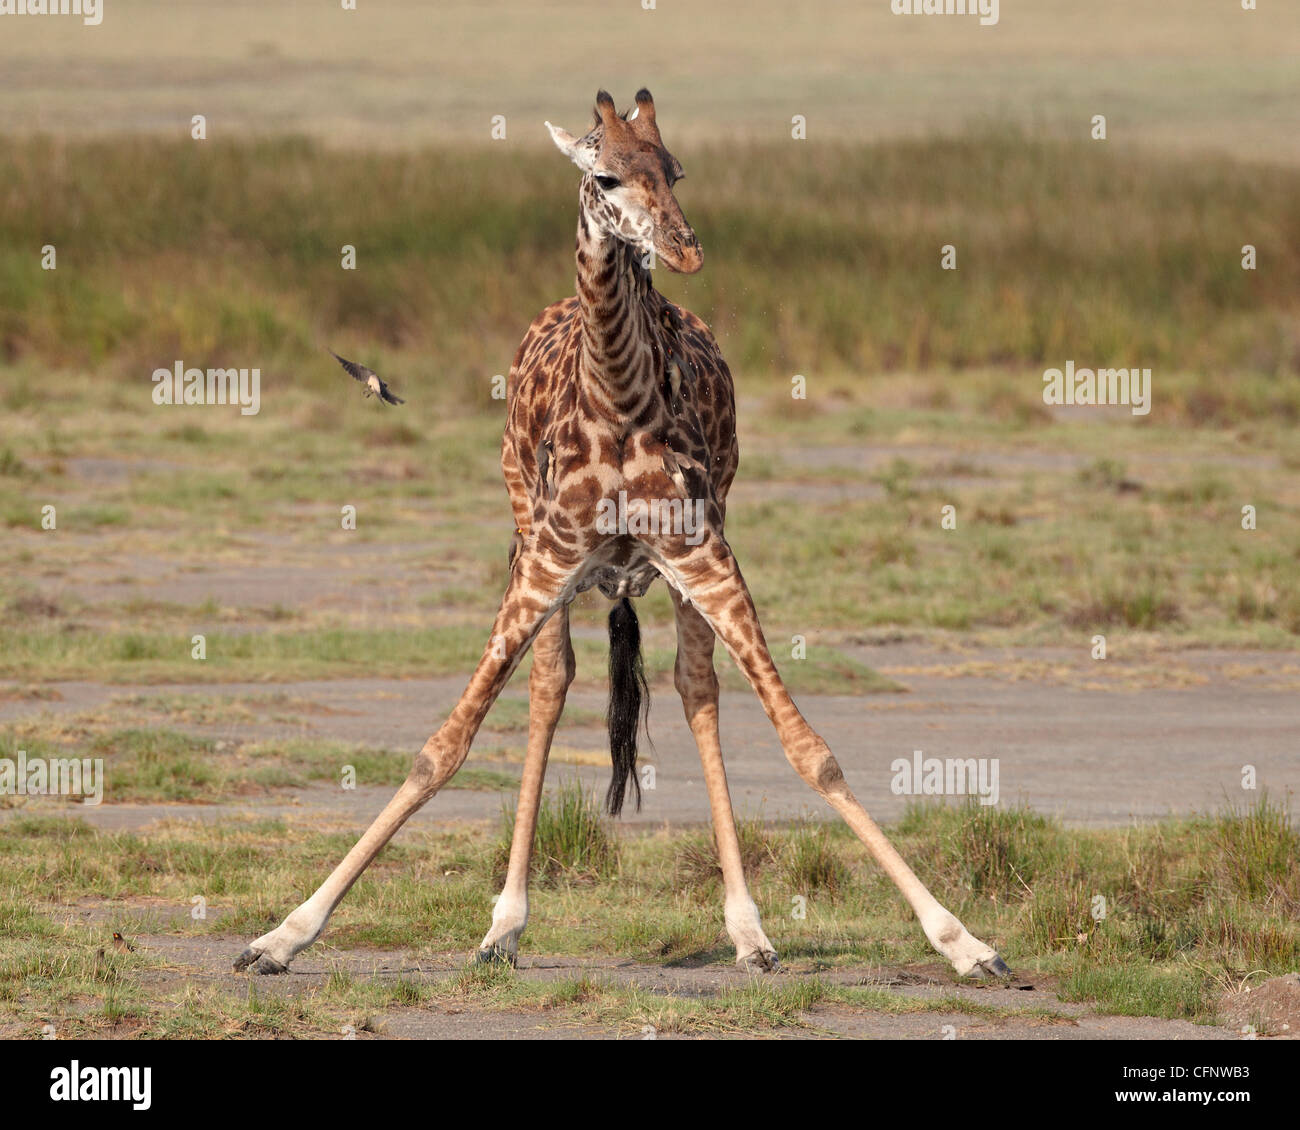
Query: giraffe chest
point(582, 465)
point(579, 461)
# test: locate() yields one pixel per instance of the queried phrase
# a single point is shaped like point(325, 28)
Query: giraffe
point(618, 393)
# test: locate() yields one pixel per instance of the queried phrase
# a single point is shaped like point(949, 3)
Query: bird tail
point(629, 702)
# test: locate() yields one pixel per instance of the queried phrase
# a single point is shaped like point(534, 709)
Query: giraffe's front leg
point(707, 574)
point(540, 583)
point(548, 684)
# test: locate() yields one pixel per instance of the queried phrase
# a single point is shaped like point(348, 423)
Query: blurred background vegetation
point(819, 258)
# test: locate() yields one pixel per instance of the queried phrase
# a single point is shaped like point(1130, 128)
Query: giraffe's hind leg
point(709, 576)
point(697, 683)
point(539, 585)
point(548, 684)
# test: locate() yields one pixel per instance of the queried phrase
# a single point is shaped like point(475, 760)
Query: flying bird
point(374, 386)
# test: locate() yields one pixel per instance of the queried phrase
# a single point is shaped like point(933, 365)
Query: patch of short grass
point(1149, 920)
point(571, 839)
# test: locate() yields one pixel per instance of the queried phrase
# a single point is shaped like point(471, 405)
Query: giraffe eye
point(606, 182)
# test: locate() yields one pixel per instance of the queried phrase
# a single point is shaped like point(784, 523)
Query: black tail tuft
point(629, 702)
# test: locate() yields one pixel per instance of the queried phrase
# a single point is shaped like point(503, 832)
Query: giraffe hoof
point(496, 955)
point(260, 963)
point(760, 961)
point(992, 967)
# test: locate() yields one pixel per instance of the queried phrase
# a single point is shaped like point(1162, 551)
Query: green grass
point(1192, 908)
point(1127, 260)
point(810, 864)
point(571, 841)
point(159, 764)
point(697, 855)
point(1260, 850)
point(158, 657)
point(295, 654)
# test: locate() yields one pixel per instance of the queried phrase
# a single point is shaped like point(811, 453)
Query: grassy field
point(1191, 910)
point(924, 391)
point(823, 261)
point(231, 530)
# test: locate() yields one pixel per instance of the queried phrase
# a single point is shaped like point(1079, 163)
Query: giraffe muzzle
point(682, 252)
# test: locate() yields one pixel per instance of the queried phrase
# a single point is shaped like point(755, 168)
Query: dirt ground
point(206, 961)
point(1273, 1006)
point(1066, 744)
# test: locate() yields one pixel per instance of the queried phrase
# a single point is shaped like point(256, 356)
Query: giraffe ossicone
point(618, 394)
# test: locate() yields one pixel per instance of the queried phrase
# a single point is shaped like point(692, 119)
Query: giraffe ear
point(645, 105)
point(575, 148)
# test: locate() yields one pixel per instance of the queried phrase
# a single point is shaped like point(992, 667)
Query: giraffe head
point(627, 189)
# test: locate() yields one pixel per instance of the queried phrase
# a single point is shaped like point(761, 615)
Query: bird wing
point(353, 370)
point(386, 394)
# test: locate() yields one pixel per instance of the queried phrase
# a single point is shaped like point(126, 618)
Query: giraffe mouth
point(681, 253)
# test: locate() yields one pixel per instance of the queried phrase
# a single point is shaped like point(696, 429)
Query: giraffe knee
point(553, 670)
point(818, 767)
point(434, 766)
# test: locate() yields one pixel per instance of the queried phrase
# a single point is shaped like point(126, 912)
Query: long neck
point(620, 350)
